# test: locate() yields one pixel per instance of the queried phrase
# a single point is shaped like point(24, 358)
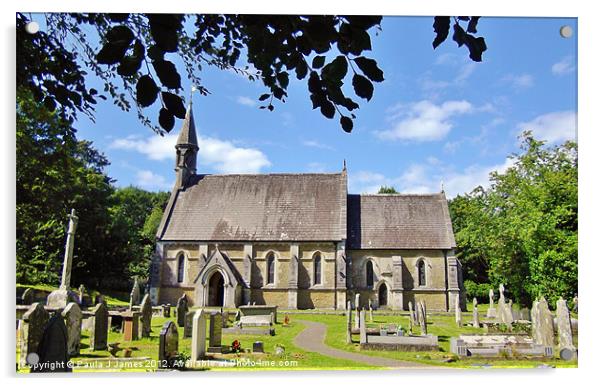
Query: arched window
point(421, 273)
point(181, 268)
point(270, 268)
point(369, 274)
point(317, 269)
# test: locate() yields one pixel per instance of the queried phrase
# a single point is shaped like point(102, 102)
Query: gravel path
point(312, 339)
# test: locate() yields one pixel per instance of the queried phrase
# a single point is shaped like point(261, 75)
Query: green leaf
point(166, 119)
point(318, 62)
point(370, 68)
point(146, 91)
point(459, 35)
point(164, 29)
point(120, 34)
point(363, 87)
point(335, 70)
point(167, 73)
point(476, 46)
point(111, 53)
point(264, 97)
point(346, 124)
point(441, 28)
point(283, 79)
point(327, 109)
point(174, 103)
point(472, 24)
point(301, 69)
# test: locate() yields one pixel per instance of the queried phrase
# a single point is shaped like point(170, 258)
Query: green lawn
point(443, 326)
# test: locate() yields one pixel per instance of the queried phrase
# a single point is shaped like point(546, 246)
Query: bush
point(477, 290)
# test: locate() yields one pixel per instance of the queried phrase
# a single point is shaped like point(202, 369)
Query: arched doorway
point(382, 295)
point(216, 290)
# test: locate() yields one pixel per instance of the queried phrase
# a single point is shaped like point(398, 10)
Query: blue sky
point(437, 117)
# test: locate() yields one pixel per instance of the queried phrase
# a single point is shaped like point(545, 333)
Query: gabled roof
point(258, 207)
point(399, 221)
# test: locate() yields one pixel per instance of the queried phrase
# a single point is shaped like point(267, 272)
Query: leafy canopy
point(137, 51)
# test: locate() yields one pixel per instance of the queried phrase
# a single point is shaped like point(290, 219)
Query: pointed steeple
point(186, 150)
point(188, 133)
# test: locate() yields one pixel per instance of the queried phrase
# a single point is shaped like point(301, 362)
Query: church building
point(299, 241)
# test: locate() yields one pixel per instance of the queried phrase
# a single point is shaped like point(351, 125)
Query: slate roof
point(399, 221)
point(258, 207)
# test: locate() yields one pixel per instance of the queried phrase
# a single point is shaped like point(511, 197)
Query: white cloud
point(317, 145)
point(223, 156)
point(565, 66)
point(148, 180)
point(521, 81)
point(424, 178)
point(554, 127)
point(423, 121)
point(246, 101)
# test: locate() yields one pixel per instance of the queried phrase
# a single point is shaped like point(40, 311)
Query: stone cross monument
point(59, 298)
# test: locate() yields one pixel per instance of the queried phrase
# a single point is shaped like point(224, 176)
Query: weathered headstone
point(100, 327)
point(258, 346)
point(424, 315)
point(348, 314)
point(475, 313)
point(421, 318)
point(61, 297)
point(458, 311)
point(181, 310)
point(27, 297)
point(356, 321)
point(72, 315)
point(81, 292)
point(491, 311)
point(146, 315)
point(131, 326)
point(188, 324)
point(31, 331)
point(199, 333)
point(168, 345)
point(370, 310)
point(135, 293)
point(52, 351)
point(542, 323)
point(565, 332)
point(363, 332)
point(215, 332)
point(575, 304)
point(357, 301)
point(412, 316)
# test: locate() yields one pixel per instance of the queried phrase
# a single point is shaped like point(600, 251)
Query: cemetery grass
point(441, 325)
point(146, 350)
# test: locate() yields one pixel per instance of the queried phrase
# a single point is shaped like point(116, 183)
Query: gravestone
point(258, 346)
point(458, 311)
point(72, 316)
point(565, 332)
point(199, 334)
point(100, 327)
point(61, 297)
point(542, 323)
point(421, 318)
point(135, 293)
point(168, 345)
point(27, 297)
point(348, 314)
point(356, 321)
point(181, 310)
point(424, 315)
point(575, 302)
point(188, 324)
point(131, 326)
point(357, 301)
point(31, 331)
point(146, 315)
point(370, 310)
point(52, 350)
point(491, 311)
point(82, 292)
point(475, 313)
point(412, 316)
point(363, 332)
point(215, 332)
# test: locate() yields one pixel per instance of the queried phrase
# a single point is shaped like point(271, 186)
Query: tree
point(136, 49)
point(523, 229)
point(384, 189)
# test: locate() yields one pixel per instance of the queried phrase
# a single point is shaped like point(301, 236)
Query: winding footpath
point(312, 339)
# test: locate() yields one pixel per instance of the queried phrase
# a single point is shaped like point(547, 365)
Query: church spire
point(186, 149)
